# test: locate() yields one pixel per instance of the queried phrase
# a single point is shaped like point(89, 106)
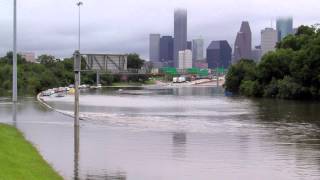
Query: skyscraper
point(243, 43)
point(197, 49)
point(185, 59)
point(154, 47)
point(256, 53)
point(284, 27)
point(166, 50)
point(189, 45)
point(219, 54)
point(269, 38)
point(180, 33)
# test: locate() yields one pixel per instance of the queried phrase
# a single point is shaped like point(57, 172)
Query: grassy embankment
point(20, 160)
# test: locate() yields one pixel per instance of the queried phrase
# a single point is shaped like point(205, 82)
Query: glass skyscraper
point(284, 27)
point(197, 49)
point(219, 54)
point(154, 47)
point(180, 33)
point(166, 50)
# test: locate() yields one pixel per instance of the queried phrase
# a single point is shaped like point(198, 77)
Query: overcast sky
point(123, 26)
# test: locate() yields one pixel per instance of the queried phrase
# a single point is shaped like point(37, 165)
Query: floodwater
point(190, 133)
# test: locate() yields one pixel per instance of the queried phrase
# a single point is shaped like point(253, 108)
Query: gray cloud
point(123, 26)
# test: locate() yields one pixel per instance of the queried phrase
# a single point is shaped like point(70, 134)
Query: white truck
point(181, 79)
point(175, 80)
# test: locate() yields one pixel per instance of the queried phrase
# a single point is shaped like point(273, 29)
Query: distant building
point(284, 27)
point(189, 45)
point(180, 34)
point(219, 54)
point(197, 49)
point(257, 53)
point(185, 59)
point(269, 39)
point(166, 50)
point(154, 48)
point(203, 64)
point(29, 56)
point(243, 43)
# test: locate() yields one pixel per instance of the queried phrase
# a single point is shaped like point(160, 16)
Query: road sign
point(105, 62)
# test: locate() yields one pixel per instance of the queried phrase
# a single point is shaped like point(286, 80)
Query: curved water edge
point(195, 133)
point(44, 104)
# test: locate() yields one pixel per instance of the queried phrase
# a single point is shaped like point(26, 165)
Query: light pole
point(77, 69)
point(79, 4)
point(14, 55)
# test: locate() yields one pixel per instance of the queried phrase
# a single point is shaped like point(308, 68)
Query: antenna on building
point(271, 23)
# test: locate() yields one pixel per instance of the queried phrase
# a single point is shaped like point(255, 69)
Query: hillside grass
point(20, 160)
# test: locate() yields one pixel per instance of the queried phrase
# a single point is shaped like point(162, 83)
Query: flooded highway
point(173, 134)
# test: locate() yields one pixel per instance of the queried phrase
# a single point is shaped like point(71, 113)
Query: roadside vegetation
point(291, 72)
point(51, 72)
point(20, 160)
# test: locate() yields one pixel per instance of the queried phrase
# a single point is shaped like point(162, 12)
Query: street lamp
point(79, 4)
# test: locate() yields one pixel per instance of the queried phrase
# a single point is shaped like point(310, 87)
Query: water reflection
point(179, 142)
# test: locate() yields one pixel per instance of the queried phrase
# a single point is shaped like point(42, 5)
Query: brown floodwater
point(173, 134)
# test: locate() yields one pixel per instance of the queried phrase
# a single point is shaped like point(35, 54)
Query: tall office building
point(166, 50)
point(256, 53)
point(219, 54)
point(189, 45)
point(154, 47)
point(185, 59)
point(284, 27)
point(197, 49)
point(269, 38)
point(180, 33)
point(243, 43)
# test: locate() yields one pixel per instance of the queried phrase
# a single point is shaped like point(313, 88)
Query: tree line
point(290, 72)
point(50, 72)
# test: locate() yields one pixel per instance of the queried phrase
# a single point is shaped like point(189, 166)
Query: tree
point(291, 72)
point(46, 59)
point(135, 62)
point(274, 65)
point(243, 70)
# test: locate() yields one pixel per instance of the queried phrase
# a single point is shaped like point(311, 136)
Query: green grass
point(20, 160)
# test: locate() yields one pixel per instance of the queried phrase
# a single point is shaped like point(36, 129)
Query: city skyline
point(123, 33)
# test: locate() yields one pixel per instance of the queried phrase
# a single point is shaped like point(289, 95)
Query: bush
point(250, 88)
point(289, 89)
point(271, 89)
point(243, 70)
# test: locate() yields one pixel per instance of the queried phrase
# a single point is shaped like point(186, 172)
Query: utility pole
point(77, 69)
point(14, 55)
